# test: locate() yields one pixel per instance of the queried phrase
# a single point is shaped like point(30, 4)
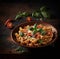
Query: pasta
point(34, 35)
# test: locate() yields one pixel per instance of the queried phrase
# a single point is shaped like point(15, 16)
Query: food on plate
point(34, 35)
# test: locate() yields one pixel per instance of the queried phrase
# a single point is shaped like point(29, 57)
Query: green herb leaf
point(24, 14)
point(34, 31)
point(45, 12)
point(36, 14)
point(35, 28)
point(18, 15)
point(31, 28)
point(21, 14)
point(43, 32)
point(21, 34)
point(40, 41)
point(35, 25)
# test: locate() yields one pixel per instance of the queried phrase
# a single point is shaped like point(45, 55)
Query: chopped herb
point(35, 28)
point(35, 14)
point(25, 14)
point(21, 34)
point(40, 41)
point(35, 25)
point(34, 31)
point(43, 32)
point(31, 28)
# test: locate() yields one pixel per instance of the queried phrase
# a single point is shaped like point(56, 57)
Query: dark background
point(54, 5)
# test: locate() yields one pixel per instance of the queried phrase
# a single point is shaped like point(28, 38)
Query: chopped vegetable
point(31, 28)
point(41, 35)
point(43, 32)
point(35, 28)
point(34, 31)
point(40, 41)
point(21, 34)
point(35, 25)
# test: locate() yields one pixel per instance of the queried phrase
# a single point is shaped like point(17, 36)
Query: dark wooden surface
point(9, 10)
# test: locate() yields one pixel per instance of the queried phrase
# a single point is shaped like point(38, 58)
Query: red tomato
point(49, 33)
point(37, 35)
point(39, 26)
point(9, 25)
point(8, 20)
point(29, 34)
point(28, 19)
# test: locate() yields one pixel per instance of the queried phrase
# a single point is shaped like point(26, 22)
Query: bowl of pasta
point(34, 34)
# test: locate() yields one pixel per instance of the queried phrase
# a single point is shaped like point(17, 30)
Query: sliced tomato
point(39, 26)
point(49, 33)
point(37, 35)
point(29, 34)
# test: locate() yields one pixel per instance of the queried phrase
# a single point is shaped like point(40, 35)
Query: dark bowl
point(31, 23)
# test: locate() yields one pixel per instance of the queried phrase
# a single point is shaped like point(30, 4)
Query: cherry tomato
point(8, 20)
point(29, 34)
point(9, 25)
point(28, 19)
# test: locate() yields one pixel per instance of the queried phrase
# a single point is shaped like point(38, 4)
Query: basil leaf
point(43, 32)
point(24, 14)
point(35, 28)
point(31, 28)
point(21, 34)
point(36, 14)
point(35, 25)
point(45, 12)
point(40, 41)
point(34, 31)
point(18, 16)
point(21, 14)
